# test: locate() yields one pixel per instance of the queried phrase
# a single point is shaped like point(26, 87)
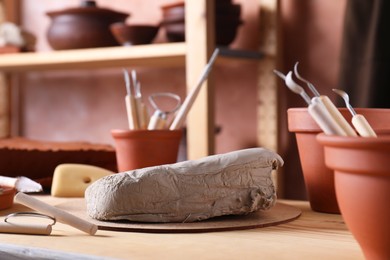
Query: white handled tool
point(359, 121)
point(131, 106)
point(317, 110)
point(323, 118)
point(332, 109)
point(190, 99)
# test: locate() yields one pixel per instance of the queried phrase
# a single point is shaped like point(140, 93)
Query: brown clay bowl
point(134, 34)
point(319, 179)
point(362, 179)
point(86, 26)
point(6, 197)
point(227, 21)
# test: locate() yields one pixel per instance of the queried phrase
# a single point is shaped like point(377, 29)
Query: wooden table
point(312, 236)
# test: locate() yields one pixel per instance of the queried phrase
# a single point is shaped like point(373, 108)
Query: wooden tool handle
point(320, 114)
point(362, 126)
point(30, 229)
point(59, 215)
point(132, 114)
point(337, 116)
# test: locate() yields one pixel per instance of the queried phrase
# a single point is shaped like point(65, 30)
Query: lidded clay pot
point(87, 26)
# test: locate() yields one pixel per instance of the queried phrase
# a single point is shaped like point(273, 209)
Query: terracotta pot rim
point(299, 120)
point(382, 141)
point(301, 109)
point(124, 133)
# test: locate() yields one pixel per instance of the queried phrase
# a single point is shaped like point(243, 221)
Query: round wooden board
point(280, 213)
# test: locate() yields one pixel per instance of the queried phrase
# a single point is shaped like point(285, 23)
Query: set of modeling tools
point(324, 112)
point(137, 113)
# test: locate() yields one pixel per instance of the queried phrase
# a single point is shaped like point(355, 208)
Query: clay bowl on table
point(319, 179)
point(362, 179)
point(134, 34)
point(6, 197)
point(86, 26)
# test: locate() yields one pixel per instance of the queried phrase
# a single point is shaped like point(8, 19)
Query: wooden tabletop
point(312, 236)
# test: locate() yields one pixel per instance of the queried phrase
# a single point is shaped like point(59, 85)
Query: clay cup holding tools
point(144, 148)
point(362, 181)
point(319, 179)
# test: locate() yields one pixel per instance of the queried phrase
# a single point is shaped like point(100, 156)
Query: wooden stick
point(59, 215)
point(30, 229)
point(190, 99)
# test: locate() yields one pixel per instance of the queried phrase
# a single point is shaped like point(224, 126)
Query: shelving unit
point(193, 54)
point(153, 55)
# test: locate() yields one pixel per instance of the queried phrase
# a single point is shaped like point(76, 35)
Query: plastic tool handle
point(30, 229)
point(362, 126)
point(131, 109)
point(58, 214)
point(322, 117)
point(337, 116)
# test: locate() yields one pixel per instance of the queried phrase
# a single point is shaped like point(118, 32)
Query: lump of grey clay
point(234, 183)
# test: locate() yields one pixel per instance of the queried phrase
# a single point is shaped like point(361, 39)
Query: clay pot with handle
point(87, 26)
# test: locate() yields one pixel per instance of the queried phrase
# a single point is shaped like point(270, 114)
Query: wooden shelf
point(152, 55)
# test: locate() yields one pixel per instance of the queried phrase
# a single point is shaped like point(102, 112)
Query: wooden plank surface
point(312, 236)
point(152, 55)
point(200, 43)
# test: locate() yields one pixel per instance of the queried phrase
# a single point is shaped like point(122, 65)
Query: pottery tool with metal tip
point(159, 117)
point(131, 107)
point(332, 109)
point(190, 99)
point(359, 121)
point(316, 108)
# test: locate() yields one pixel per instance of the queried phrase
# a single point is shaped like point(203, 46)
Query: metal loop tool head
point(308, 83)
point(29, 214)
point(153, 99)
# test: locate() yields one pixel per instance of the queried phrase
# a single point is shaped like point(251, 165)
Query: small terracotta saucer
point(6, 197)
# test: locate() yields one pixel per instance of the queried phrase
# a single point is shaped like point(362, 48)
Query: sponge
point(71, 180)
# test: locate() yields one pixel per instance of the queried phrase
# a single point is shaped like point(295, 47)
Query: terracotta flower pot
point(143, 148)
point(362, 180)
point(6, 197)
point(319, 180)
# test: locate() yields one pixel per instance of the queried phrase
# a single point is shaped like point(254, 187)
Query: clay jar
point(87, 26)
point(143, 148)
point(6, 197)
point(319, 180)
point(362, 180)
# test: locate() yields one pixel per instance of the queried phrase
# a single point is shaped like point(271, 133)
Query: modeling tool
point(190, 99)
point(131, 107)
point(332, 109)
point(359, 121)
